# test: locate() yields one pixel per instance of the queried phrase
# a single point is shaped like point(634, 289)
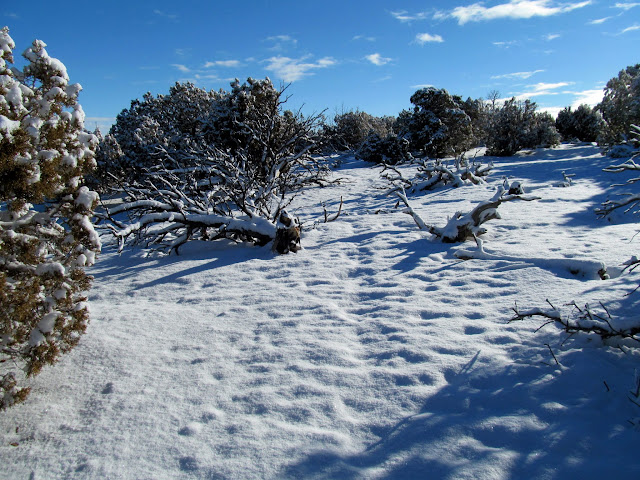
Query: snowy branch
point(587, 321)
point(433, 174)
point(204, 193)
point(463, 226)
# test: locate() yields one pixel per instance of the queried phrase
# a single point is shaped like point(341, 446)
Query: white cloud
point(514, 9)
point(543, 89)
point(553, 111)
point(378, 59)
point(364, 37)
point(423, 38)
point(598, 21)
point(588, 97)
point(207, 77)
point(293, 69)
point(551, 36)
point(630, 29)
point(222, 63)
point(422, 85)
point(181, 67)
point(517, 75)
point(282, 38)
point(626, 5)
point(382, 79)
point(585, 97)
point(508, 44)
point(282, 41)
point(404, 16)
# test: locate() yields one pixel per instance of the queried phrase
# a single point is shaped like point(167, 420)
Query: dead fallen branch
point(464, 226)
point(585, 320)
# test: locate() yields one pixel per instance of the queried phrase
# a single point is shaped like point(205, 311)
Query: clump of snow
point(50, 268)
point(86, 197)
point(374, 352)
point(7, 127)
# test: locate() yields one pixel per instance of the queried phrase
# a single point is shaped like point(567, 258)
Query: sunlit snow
point(374, 352)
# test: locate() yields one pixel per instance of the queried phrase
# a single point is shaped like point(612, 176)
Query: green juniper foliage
point(46, 236)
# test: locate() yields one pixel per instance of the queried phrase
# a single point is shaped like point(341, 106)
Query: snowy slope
point(372, 353)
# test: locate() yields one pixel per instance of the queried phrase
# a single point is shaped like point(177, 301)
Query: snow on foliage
point(516, 125)
point(231, 179)
point(438, 125)
point(620, 106)
point(46, 236)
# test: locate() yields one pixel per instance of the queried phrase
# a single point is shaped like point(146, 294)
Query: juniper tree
point(438, 125)
point(233, 180)
point(517, 125)
point(620, 106)
point(46, 236)
point(583, 123)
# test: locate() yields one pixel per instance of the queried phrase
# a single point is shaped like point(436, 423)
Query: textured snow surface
point(374, 352)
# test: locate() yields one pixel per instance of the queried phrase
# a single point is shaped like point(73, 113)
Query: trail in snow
point(372, 353)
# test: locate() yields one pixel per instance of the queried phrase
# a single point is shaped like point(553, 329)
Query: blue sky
point(337, 55)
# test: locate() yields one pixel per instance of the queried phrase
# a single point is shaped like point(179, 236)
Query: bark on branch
point(464, 226)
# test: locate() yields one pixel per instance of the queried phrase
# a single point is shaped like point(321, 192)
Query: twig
point(554, 357)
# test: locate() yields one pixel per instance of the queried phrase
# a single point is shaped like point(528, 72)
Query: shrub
point(351, 129)
point(388, 150)
point(583, 124)
point(232, 181)
point(46, 237)
point(620, 106)
point(516, 125)
point(169, 121)
point(438, 124)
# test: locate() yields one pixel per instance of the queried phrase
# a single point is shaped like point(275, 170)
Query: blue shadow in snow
point(485, 422)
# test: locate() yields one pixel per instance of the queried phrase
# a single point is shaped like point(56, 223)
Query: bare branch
point(464, 226)
point(587, 321)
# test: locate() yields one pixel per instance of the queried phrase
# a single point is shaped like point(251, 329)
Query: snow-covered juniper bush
point(46, 236)
point(229, 176)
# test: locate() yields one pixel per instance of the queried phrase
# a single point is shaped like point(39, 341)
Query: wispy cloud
point(182, 68)
point(551, 36)
point(382, 79)
point(378, 59)
point(364, 37)
point(517, 75)
point(507, 44)
point(626, 5)
point(169, 16)
point(514, 9)
point(293, 69)
point(630, 29)
point(588, 97)
point(423, 38)
point(406, 17)
point(543, 89)
point(585, 97)
point(599, 21)
point(222, 63)
point(280, 42)
point(182, 52)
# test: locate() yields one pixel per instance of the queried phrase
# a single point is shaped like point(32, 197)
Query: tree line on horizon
point(438, 125)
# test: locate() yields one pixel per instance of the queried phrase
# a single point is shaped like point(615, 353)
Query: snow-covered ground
point(374, 352)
